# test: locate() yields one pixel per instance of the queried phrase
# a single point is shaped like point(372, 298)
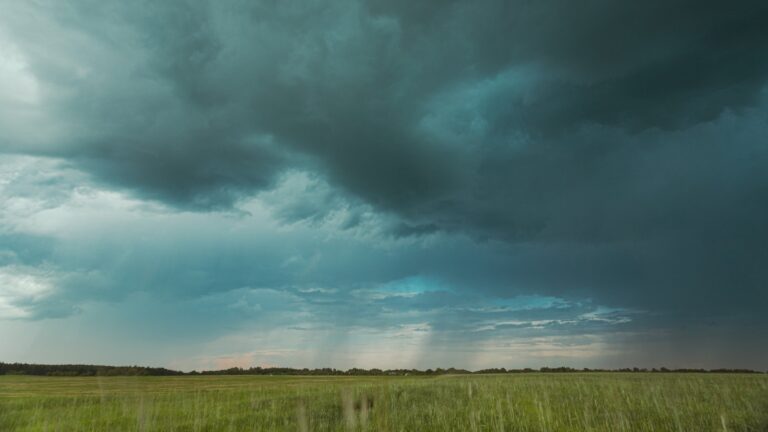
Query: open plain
point(607, 402)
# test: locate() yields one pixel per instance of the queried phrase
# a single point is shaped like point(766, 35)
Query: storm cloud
point(608, 155)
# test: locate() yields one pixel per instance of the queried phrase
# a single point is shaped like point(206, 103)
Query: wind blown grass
point(526, 402)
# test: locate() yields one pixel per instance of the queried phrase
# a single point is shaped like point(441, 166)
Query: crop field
point(516, 402)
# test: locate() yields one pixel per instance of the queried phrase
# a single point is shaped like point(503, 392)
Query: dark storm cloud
point(614, 149)
point(203, 99)
point(649, 64)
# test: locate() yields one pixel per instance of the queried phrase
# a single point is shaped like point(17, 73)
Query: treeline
point(624, 370)
point(331, 371)
point(96, 370)
point(82, 370)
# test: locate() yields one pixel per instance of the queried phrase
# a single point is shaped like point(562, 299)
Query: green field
point(518, 402)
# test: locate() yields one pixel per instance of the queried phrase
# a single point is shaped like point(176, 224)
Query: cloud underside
point(604, 154)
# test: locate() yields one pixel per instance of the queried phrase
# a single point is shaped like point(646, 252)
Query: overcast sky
point(384, 183)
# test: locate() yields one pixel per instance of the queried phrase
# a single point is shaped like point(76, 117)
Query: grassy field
point(525, 402)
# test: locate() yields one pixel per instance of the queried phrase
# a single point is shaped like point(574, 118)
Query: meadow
point(516, 402)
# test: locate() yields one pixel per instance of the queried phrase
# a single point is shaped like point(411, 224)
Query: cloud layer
point(605, 155)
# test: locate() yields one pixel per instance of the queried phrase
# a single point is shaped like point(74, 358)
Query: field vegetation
point(520, 402)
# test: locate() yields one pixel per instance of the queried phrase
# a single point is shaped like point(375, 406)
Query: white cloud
point(21, 288)
point(18, 86)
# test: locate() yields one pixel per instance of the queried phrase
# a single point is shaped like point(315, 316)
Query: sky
point(384, 183)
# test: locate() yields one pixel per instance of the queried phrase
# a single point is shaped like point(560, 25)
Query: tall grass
point(531, 402)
